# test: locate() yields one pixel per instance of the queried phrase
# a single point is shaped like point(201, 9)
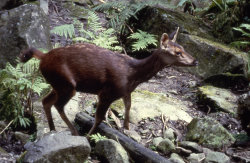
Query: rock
point(191, 145)
point(175, 158)
point(169, 133)
point(22, 27)
point(214, 57)
point(218, 98)
point(147, 104)
point(166, 146)
point(24, 138)
point(156, 141)
point(58, 147)
point(196, 158)
point(215, 157)
point(209, 132)
point(244, 112)
point(112, 151)
point(6, 157)
point(44, 6)
point(133, 134)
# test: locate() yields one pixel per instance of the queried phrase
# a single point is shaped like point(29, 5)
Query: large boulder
point(111, 151)
point(58, 147)
point(147, 104)
point(218, 99)
point(22, 27)
point(209, 132)
point(214, 57)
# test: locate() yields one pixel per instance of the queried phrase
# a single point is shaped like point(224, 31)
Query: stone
point(196, 157)
point(58, 147)
point(214, 57)
point(169, 133)
point(24, 138)
point(209, 132)
point(218, 99)
point(244, 112)
point(44, 6)
point(175, 158)
point(156, 141)
point(22, 27)
point(191, 145)
point(166, 146)
point(112, 151)
point(146, 104)
point(215, 157)
point(133, 134)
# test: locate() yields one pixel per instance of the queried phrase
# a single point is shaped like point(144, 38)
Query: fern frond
point(66, 30)
point(94, 21)
point(143, 40)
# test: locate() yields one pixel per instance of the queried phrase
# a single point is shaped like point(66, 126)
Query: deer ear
point(164, 41)
point(175, 35)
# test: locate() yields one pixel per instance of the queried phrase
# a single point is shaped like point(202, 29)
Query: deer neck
point(146, 68)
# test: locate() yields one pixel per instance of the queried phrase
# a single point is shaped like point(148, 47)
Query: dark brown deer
point(92, 69)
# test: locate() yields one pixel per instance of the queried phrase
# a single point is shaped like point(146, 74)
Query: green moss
point(209, 132)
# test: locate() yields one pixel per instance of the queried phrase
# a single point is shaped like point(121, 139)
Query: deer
point(84, 67)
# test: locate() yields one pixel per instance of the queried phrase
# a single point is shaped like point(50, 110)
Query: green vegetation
point(97, 137)
point(143, 40)
point(119, 12)
point(92, 32)
point(17, 86)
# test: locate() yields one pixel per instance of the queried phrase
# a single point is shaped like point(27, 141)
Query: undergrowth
point(17, 86)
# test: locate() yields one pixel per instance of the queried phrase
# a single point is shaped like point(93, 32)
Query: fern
point(92, 32)
point(119, 12)
point(66, 30)
point(17, 84)
point(97, 137)
point(244, 30)
point(143, 40)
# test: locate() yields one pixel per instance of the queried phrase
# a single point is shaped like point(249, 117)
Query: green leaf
point(143, 39)
point(66, 30)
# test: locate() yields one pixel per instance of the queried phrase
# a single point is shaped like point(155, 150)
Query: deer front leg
point(127, 104)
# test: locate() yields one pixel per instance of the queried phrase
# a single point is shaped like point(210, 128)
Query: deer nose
point(196, 62)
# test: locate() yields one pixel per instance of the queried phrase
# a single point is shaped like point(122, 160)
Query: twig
point(7, 126)
point(116, 120)
point(209, 109)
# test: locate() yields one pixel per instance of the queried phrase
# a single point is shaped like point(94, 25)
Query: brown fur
point(92, 69)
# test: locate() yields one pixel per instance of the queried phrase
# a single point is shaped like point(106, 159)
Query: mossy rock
point(209, 132)
point(147, 104)
point(218, 99)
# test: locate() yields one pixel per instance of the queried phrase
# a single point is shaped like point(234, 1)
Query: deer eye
point(178, 53)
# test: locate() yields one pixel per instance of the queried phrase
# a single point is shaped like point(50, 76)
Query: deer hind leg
point(127, 104)
point(101, 110)
point(48, 101)
point(63, 97)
